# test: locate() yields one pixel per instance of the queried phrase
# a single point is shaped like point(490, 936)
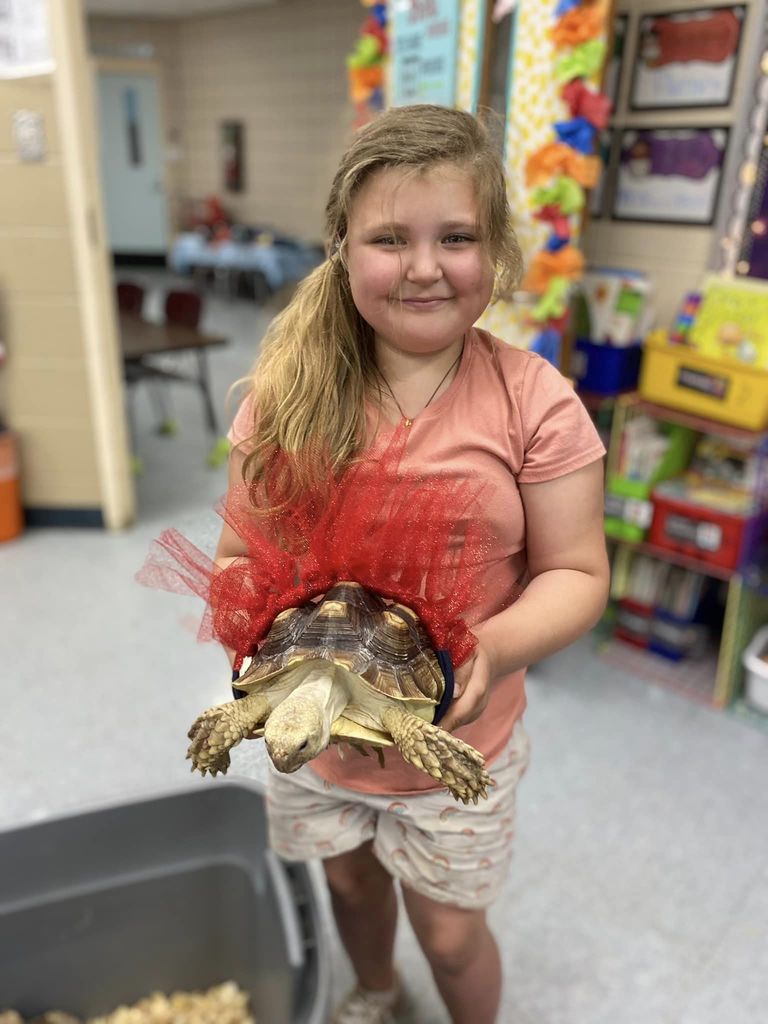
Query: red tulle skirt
point(413, 538)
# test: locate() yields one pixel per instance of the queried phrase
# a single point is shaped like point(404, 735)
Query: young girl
point(381, 336)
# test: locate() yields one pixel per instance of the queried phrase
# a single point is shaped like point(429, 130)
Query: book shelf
point(717, 677)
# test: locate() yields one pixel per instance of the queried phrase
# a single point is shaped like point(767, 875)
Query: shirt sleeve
point(559, 436)
point(242, 429)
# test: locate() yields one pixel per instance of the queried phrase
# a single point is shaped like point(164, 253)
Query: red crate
point(633, 622)
point(706, 534)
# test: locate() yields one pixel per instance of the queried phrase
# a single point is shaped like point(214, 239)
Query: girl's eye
point(389, 240)
point(457, 239)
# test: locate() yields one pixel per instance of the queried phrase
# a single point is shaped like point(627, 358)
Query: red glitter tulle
point(412, 539)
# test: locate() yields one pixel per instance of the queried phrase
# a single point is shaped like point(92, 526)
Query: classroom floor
point(639, 892)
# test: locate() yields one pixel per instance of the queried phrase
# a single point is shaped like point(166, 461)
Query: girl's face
point(418, 270)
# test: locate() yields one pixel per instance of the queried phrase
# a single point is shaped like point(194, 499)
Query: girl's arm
point(231, 545)
point(569, 571)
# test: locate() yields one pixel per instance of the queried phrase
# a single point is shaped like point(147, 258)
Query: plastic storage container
point(174, 892)
point(680, 377)
point(628, 510)
point(707, 534)
point(755, 660)
point(605, 369)
point(674, 638)
point(633, 622)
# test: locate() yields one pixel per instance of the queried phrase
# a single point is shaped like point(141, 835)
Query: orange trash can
point(11, 515)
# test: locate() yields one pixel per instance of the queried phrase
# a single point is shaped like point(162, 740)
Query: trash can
point(178, 891)
point(11, 515)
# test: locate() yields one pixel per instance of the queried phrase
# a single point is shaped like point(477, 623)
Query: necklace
point(408, 420)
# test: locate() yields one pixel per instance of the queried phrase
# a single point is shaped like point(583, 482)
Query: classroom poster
point(425, 35)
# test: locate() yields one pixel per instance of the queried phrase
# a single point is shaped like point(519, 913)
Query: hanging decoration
point(559, 171)
point(366, 64)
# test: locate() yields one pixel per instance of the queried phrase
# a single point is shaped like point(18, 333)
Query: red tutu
point(416, 539)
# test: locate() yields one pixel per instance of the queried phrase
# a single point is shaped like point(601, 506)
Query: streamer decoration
point(559, 171)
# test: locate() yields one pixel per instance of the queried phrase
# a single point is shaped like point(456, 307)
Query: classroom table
point(141, 340)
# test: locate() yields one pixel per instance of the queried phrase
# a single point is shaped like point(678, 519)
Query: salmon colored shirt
point(508, 418)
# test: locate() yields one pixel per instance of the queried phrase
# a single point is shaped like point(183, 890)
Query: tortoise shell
point(384, 644)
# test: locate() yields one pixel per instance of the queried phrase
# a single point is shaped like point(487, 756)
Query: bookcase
point(646, 519)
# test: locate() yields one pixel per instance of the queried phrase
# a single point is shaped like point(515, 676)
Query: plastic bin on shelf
point(628, 511)
point(674, 638)
point(681, 378)
point(711, 535)
point(174, 892)
point(605, 369)
point(755, 661)
point(633, 622)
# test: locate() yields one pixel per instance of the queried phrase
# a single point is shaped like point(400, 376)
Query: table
point(140, 340)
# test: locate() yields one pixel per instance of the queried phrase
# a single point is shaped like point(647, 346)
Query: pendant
point(407, 422)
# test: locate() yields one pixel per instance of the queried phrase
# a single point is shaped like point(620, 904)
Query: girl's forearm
point(556, 608)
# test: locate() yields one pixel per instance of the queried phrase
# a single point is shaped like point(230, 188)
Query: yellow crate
point(681, 378)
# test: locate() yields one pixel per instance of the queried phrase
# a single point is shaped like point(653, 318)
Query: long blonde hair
point(317, 361)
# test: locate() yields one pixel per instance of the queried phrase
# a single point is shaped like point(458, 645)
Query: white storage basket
point(755, 659)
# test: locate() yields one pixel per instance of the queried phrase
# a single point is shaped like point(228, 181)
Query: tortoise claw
point(440, 754)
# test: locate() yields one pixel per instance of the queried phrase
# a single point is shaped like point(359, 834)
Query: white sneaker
point(363, 1007)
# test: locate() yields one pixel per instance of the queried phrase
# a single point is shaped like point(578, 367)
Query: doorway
point(132, 163)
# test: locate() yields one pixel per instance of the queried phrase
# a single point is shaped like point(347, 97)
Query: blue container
point(675, 638)
point(605, 369)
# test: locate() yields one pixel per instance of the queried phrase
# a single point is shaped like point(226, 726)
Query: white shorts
point(448, 851)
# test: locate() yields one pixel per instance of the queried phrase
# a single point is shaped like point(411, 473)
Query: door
point(132, 163)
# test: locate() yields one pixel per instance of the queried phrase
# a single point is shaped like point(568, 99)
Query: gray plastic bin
point(176, 891)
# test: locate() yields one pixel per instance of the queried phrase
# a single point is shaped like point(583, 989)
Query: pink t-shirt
point(508, 417)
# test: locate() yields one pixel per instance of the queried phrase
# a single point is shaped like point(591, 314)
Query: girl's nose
point(423, 265)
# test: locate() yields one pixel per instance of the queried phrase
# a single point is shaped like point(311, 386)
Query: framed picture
point(612, 79)
point(669, 175)
point(686, 58)
point(599, 194)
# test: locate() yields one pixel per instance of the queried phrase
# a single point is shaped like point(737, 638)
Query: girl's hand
point(473, 689)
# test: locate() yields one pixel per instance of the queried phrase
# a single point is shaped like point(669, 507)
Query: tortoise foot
point(445, 757)
point(214, 733)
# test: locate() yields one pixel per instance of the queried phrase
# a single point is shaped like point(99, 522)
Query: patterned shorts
point(445, 850)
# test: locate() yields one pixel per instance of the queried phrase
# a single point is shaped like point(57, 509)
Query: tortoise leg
point(217, 730)
point(438, 753)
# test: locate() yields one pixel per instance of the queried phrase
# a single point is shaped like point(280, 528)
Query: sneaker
point(363, 1007)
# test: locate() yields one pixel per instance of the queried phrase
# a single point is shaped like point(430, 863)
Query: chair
point(130, 297)
point(183, 308)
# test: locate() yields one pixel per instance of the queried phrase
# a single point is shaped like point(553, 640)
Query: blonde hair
point(317, 361)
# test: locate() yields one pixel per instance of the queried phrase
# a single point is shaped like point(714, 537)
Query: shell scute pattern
point(386, 645)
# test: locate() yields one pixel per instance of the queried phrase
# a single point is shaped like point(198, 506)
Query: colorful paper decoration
point(560, 170)
point(366, 64)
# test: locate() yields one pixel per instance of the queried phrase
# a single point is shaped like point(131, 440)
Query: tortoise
point(349, 668)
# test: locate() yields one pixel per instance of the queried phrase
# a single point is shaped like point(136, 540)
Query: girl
point(381, 336)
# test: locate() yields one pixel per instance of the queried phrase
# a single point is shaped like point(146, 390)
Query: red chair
point(183, 308)
point(130, 297)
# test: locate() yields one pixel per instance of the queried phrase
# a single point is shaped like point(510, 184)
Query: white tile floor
point(640, 889)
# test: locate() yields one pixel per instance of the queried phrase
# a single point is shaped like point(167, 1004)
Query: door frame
point(76, 112)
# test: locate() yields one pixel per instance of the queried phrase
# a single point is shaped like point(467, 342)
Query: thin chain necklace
point(408, 420)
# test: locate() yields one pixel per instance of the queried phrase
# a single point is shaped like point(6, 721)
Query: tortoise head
point(296, 731)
